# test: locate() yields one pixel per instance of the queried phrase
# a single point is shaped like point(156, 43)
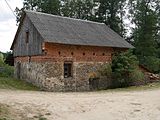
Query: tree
point(124, 66)
point(9, 59)
point(145, 18)
point(46, 6)
point(111, 12)
point(81, 9)
point(50, 6)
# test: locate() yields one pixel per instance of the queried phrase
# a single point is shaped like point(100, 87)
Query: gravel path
point(137, 105)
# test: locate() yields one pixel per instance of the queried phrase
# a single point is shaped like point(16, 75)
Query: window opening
point(27, 36)
point(67, 70)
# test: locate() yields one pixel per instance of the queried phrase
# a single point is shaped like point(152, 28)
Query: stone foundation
point(49, 76)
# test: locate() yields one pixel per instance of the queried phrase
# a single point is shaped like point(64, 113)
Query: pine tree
point(145, 19)
point(111, 12)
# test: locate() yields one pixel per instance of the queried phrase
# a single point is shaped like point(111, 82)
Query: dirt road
point(137, 105)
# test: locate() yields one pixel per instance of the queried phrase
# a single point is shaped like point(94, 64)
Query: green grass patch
point(11, 83)
point(4, 112)
point(150, 86)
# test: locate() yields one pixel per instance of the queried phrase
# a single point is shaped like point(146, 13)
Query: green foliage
point(111, 12)
point(124, 70)
point(10, 83)
point(42, 118)
point(123, 62)
point(6, 70)
point(106, 70)
point(9, 59)
point(4, 111)
point(146, 15)
point(152, 63)
point(81, 9)
point(123, 65)
point(50, 6)
point(137, 76)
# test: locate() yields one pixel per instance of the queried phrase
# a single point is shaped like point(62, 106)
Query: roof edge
point(63, 17)
point(18, 30)
point(132, 47)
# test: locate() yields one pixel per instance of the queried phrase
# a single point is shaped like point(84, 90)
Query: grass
point(11, 83)
point(4, 112)
point(9, 113)
point(150, 86)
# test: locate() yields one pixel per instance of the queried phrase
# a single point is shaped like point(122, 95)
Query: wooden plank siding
point(34, 45)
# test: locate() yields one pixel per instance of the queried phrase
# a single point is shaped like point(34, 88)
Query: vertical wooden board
point(33, 47)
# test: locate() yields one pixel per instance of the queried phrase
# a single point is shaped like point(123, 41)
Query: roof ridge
point(63, 17)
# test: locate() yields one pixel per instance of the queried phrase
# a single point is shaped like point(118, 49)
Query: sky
point(8, 26)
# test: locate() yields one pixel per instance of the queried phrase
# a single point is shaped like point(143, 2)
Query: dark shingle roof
point(63, 30)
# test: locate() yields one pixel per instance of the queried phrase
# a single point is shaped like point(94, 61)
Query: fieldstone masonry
point(49, 75)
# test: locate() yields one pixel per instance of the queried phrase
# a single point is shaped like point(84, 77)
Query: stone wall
point(49, 75)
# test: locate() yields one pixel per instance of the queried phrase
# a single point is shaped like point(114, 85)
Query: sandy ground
point(137, 105)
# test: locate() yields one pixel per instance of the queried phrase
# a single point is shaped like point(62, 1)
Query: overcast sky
point(8, 26)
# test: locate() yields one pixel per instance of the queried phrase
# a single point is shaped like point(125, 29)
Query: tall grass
point(11, 83)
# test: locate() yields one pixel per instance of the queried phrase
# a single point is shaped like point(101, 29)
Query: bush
point(106, 70)
point(123, 65)
point(137, 77)
point(152, 63)
point(6, 70)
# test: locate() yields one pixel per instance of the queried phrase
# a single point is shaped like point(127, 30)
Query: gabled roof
point(64, 30)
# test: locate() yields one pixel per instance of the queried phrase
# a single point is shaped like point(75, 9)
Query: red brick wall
point(57, 52)
point(79, 53)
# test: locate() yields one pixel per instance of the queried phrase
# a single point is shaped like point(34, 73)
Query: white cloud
point(7, 23)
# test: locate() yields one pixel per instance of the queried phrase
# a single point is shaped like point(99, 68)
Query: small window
point(103, 54)
point(27, 36)
point(67, 70)
point(59, 53)
point(83, 53)
point(94, 53)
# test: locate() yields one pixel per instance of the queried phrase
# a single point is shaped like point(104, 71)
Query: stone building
point(59, 53)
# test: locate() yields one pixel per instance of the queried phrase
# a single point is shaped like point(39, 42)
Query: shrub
point(106, 70)
point(9, 59)
point(137, 77)
point(6, 70)
point(123, 65)
point(152, 63)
